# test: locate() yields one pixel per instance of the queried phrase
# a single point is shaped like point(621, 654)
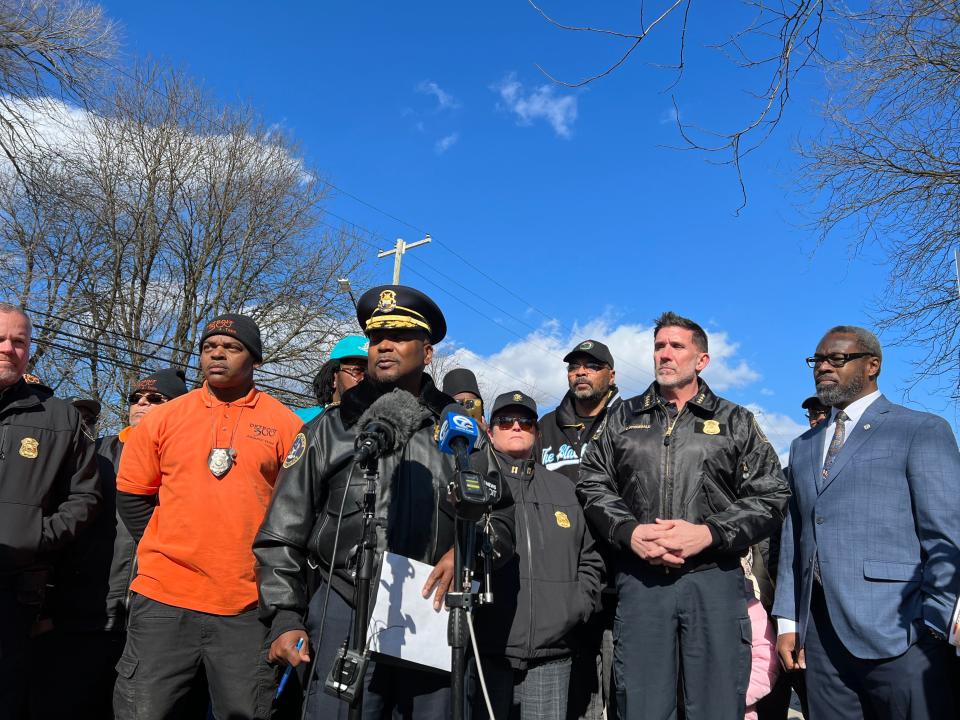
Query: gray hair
point(11, 308)
point(866, 340)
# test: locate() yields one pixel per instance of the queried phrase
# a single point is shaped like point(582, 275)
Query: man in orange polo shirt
point(198, 474)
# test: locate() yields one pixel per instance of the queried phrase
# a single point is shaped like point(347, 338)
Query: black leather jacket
point(549, 588)
point(49, 488)
point(93, 578)
point(301, 522)
point(709, 464)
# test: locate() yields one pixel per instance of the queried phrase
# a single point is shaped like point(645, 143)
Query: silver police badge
point(221, 460)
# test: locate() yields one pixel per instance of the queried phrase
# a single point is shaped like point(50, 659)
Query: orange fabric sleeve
point(139, 472)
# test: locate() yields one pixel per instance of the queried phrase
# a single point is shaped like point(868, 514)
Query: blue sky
point(571, 200)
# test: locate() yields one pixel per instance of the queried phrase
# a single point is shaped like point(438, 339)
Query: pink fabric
point(764, 668)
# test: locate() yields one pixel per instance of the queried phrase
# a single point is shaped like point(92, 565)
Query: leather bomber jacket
point(301, 522)
point(709, 464)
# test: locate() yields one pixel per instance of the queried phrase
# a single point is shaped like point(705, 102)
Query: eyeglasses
point(152, 398)
point(814, 414)
point(506, 423)
point(837, 360)
point(470, 403)
point(592, 366)
point(354, 371)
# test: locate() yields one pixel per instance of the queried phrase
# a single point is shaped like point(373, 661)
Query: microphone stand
point(368, 546)
point(460, 601)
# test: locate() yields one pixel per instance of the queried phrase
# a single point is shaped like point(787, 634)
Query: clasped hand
point(669, 542)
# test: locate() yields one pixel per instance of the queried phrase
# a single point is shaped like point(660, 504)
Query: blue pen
point(286, 673)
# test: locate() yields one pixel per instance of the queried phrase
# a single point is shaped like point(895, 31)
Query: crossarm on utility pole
point(398, 252)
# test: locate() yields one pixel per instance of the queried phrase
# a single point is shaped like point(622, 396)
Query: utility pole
point(398, 252)
point(956, 260)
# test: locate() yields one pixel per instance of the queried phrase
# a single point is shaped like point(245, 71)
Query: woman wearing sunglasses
point(528, 635)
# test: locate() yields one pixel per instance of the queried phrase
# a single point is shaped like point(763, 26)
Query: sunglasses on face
point(591, 366)
point(152, 398)
point(354, 371)
point(506, 423)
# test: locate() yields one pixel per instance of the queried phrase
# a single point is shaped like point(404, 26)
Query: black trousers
point(776, 705)
point(390, 691)
point(16, 619)
point(167, 647)
point(913, 686)
point(696, 619)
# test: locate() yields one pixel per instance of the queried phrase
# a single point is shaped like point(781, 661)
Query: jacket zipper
point(3, 443)
point(526, 524)
point(666, 496)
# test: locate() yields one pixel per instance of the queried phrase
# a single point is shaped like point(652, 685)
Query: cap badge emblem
point(562, 519)
point(29, 447)
point(388, 301)
point(711, 427)
point(586, 345)
point(517, 397)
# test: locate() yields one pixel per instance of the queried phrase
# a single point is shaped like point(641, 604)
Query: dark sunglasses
point(152, 398)
point(592, 366)
point(506, 423)
point(470, 404)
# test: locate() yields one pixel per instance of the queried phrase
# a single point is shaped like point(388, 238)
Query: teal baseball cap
point(350, 346)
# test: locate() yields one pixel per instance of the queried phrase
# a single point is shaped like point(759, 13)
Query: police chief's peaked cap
point(390, 307)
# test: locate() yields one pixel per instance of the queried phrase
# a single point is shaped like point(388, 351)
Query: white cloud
point(779, 429)
point(445, 101)
point(534, 364)
point(446, 142)
point(542, 102)
point(669, 116)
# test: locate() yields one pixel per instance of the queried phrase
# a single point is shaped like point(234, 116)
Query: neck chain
point(221, 459)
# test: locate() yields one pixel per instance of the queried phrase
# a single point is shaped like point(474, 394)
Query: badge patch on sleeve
point(296, 450)
point(710, 427)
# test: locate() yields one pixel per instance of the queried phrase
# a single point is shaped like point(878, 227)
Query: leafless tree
point(775, 44)
point(886, 171)
point(156, 212)
point(48, 48)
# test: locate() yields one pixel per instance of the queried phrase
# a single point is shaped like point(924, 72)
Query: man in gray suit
point(869, 553)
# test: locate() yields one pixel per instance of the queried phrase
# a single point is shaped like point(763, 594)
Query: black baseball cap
point(514, 397)
point(595, 349)
point(89, 403)
point(813, 402)
point(460, 380)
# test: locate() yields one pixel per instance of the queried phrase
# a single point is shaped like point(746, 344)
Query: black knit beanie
point(240, 327)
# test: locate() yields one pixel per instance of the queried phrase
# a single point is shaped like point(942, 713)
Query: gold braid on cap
point(414, 320)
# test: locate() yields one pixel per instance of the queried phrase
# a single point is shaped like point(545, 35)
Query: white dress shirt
point(854, 412)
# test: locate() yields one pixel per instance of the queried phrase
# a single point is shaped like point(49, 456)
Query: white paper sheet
point(404, 623)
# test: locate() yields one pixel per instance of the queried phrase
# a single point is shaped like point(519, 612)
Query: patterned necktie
point(835, 444)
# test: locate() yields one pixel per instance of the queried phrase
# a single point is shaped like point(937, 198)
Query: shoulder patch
point(756, 426)
point(296, 450)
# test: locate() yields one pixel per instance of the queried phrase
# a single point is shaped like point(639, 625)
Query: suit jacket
point(886, 526)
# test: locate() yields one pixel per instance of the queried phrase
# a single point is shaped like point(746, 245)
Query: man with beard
point(592, 393)
point(314, 520)
point(563, 433)
point(194, 481)
point(681, 482)
point(869, 552)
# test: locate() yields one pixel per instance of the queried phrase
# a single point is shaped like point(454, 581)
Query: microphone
point(471, 493)
point(387, 425)
point(458, 434)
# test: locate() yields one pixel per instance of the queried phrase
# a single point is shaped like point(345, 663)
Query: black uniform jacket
point(551, 584)
point(93, 578)
point(563, 434)
point(49, 488)
point(709, 464)
point(314, 488)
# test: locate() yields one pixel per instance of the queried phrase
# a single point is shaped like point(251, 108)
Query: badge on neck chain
point(221, 460)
